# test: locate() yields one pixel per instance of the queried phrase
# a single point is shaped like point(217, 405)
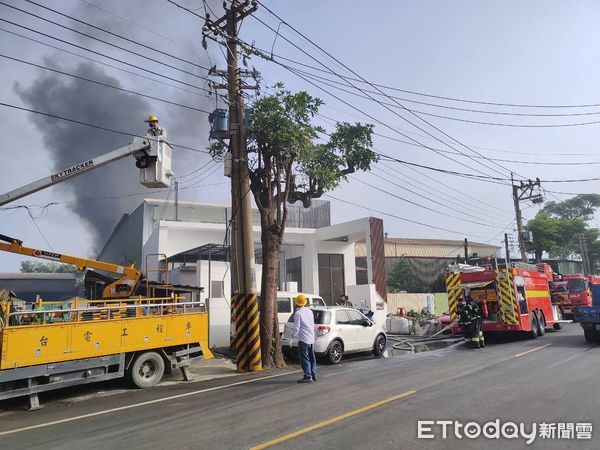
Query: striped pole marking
point(248, 335)
point(454, 291)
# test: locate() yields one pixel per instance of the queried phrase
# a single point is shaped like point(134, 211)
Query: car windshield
point(577, 285)
point(321, 317)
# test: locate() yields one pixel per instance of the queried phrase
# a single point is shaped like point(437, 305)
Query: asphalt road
point(362, 403)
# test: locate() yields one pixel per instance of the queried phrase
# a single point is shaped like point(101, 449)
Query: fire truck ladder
point(505, 288)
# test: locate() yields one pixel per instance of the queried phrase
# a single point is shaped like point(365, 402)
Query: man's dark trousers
point(306, 355)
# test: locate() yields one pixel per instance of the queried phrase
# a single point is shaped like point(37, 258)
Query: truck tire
point(541, 323)
point(146, 370)
point(558, 326)
point(534, 333)
point(592, 336)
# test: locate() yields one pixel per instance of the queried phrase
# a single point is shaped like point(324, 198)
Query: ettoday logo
point(434, 429)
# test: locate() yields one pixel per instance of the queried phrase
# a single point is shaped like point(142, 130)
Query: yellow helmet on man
point(152, 118)
point(301, 300)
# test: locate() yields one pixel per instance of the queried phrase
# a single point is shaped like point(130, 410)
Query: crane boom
point(138, 146)
point(124, 287)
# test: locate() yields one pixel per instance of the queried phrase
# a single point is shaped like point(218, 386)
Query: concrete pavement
point(362, 403)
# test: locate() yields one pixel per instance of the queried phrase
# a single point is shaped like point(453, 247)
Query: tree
point(287, 163)
point(557, 225)
point(400, 278)
point(51, 267)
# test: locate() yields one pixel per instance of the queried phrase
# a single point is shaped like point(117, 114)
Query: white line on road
point(137, 405)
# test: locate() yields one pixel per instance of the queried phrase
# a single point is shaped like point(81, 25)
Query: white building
point(318, 256)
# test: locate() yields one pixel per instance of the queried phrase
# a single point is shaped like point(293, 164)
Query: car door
point(364, 337)
point(345, 329)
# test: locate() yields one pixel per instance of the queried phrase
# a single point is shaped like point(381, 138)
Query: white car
point(339, 330)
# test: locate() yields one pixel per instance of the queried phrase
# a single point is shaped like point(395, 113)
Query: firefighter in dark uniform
point(471, 322)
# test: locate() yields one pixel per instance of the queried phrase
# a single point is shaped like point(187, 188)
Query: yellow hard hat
point(301, 300)
point(152, 118)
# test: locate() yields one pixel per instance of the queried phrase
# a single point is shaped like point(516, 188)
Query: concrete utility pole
point(244, 295)
point(521, 192)
point(587, 270)
point(506, 250)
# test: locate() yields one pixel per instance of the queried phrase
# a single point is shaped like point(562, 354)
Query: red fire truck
point(513, 299)
point(580, 291)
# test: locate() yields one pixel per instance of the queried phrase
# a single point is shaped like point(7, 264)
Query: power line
point(100, 54)
point(386, 107)
point(368, 208)
point(104, 84)
point(79, 122)
point(146, 57)
point(114, 34)
point(108, 65)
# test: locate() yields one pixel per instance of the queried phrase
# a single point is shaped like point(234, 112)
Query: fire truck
point(512, 299)
point(580, 291)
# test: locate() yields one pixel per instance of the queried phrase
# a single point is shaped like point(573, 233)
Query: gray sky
point(534, 53)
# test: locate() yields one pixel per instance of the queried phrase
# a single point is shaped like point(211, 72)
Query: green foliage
point(557, 226)
point(401, 279)
point(424, 314)
point(52, 267)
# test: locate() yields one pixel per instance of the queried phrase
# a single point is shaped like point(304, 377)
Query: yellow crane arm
point(124, 287)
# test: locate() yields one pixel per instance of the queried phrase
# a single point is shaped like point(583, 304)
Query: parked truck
point(588, 316)
point(580, 291)
point(55, 344)
point(512, 299)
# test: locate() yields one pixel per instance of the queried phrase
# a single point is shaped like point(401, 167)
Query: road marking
point(137, 405)
point(332, 420)
point(532, 350)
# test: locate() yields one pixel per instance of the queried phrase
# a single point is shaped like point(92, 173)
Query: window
point(331, 276)
point(356, 318)
point(316, 301)
point(341, 317)
point(322, 317)
point(284, 305)
point(577, 285)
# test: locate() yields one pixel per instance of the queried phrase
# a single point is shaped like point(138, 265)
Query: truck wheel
point(541, 323)
point(335, 352)
point(379, 346)
point(534, 326)
point(592, 336)
point(146, 370)
point(558, 326)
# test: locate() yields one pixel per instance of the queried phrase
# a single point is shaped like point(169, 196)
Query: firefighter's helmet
point(152, 118)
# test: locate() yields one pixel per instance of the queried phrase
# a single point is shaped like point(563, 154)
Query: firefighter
point(155, 130)
point(470, 320)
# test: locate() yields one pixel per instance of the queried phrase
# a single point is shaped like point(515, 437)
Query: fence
point(439, 301)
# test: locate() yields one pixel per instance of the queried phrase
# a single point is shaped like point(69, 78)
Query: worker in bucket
point(469, 318)
point(155, 130)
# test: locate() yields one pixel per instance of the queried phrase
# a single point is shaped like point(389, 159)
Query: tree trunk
point(269, 326)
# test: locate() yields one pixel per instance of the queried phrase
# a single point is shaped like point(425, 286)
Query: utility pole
point(587, 270)
point(521, 192)
point(466, 251)
point(244, 295)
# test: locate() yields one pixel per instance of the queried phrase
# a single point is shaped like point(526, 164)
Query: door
point(331, 277)
point(364, 334)
point(346, 330)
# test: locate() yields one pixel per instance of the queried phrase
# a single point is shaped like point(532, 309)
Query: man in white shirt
point(304, 331)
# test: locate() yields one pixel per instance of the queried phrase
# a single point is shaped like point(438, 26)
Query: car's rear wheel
point(379, 345)
point(335, 352)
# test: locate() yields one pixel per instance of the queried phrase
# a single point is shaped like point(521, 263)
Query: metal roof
point(428, 248)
